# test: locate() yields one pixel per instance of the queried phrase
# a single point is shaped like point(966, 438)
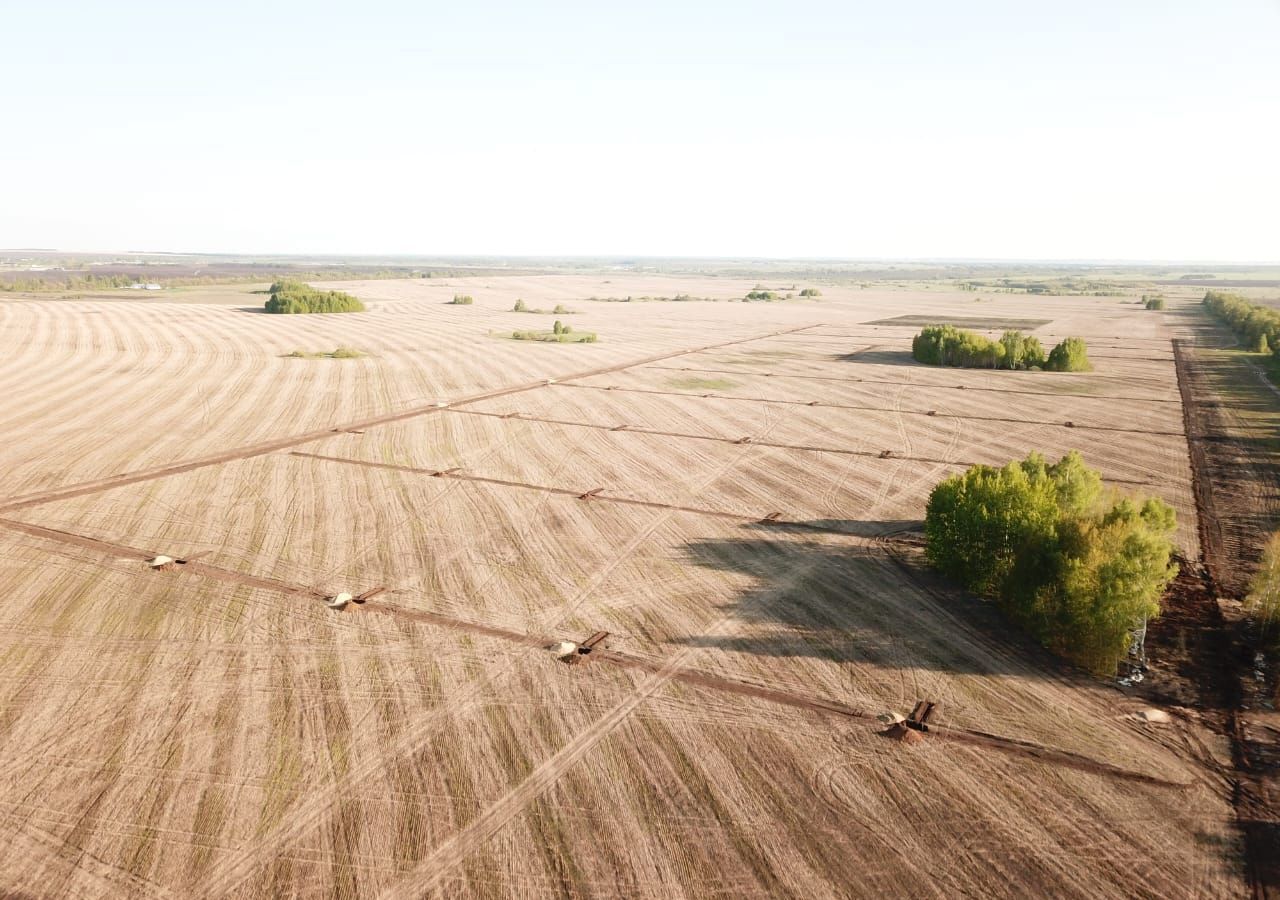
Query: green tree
point(1077, 573)
point(293, 297)
point(1264, 589)
point(1069, 356)
point(1261, 345)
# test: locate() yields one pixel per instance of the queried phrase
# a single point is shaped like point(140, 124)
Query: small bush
point(811, 292)
point(560, 310)
point(340, 353)
point(761, 295)
point(519, 307)
point(462, 300)
point(1153, 302)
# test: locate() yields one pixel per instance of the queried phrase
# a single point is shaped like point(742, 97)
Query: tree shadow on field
point(813, 598)
point(879, 357)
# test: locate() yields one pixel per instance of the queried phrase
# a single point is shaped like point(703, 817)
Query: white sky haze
point(1082, 130)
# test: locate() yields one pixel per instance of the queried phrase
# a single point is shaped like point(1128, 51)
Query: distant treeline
point(299, 297)
point(51, 281)
point(1257, 326)
point(946, 345)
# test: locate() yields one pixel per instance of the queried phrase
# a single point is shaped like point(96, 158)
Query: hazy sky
point(1121, 130)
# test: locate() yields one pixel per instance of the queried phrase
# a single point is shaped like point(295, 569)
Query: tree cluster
point(1077, 570)
point(946, 345)
point(289, 296)
point(1257, 326)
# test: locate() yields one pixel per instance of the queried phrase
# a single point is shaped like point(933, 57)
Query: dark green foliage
point(462, 300)
point(1248, 320)
point(761, 295)
point(1261, 345)
point(1077, 572)
point(558, 327)
point(1069, 356)
point(298, 297)
point(1153, 301)
point(810, 292)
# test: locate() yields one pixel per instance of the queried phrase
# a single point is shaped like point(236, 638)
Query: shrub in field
point(340, 353)
point(1153, 302)
point(1077, 570)
point(1261, 345)
point(520, 306)
point(1069, 356)
point(462, 300)
point(292, 297)
point(811, 292)
point(762, 295)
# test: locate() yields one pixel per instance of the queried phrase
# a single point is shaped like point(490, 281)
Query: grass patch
point(560, 310)
point(461, 300)
point(550, 337)
point(702, 384)
point(339, 353)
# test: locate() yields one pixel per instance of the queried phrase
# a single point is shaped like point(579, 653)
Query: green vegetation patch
point(462, 300)
point(1153, 301)
point(292, 297)
point(1256, 326)
point(560, 333)
point(339, 353)
point(1077, 570)
point(560, 310)
point(946, 345)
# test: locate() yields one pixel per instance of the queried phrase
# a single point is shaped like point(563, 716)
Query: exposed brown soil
point(214, 730)
point(1221, 654)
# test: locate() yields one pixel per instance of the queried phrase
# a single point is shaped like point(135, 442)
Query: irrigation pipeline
point(751, 441)
point(690, 676)
point(286, 443)
point(748, 373)
point(864, 408)
point(591, 494)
